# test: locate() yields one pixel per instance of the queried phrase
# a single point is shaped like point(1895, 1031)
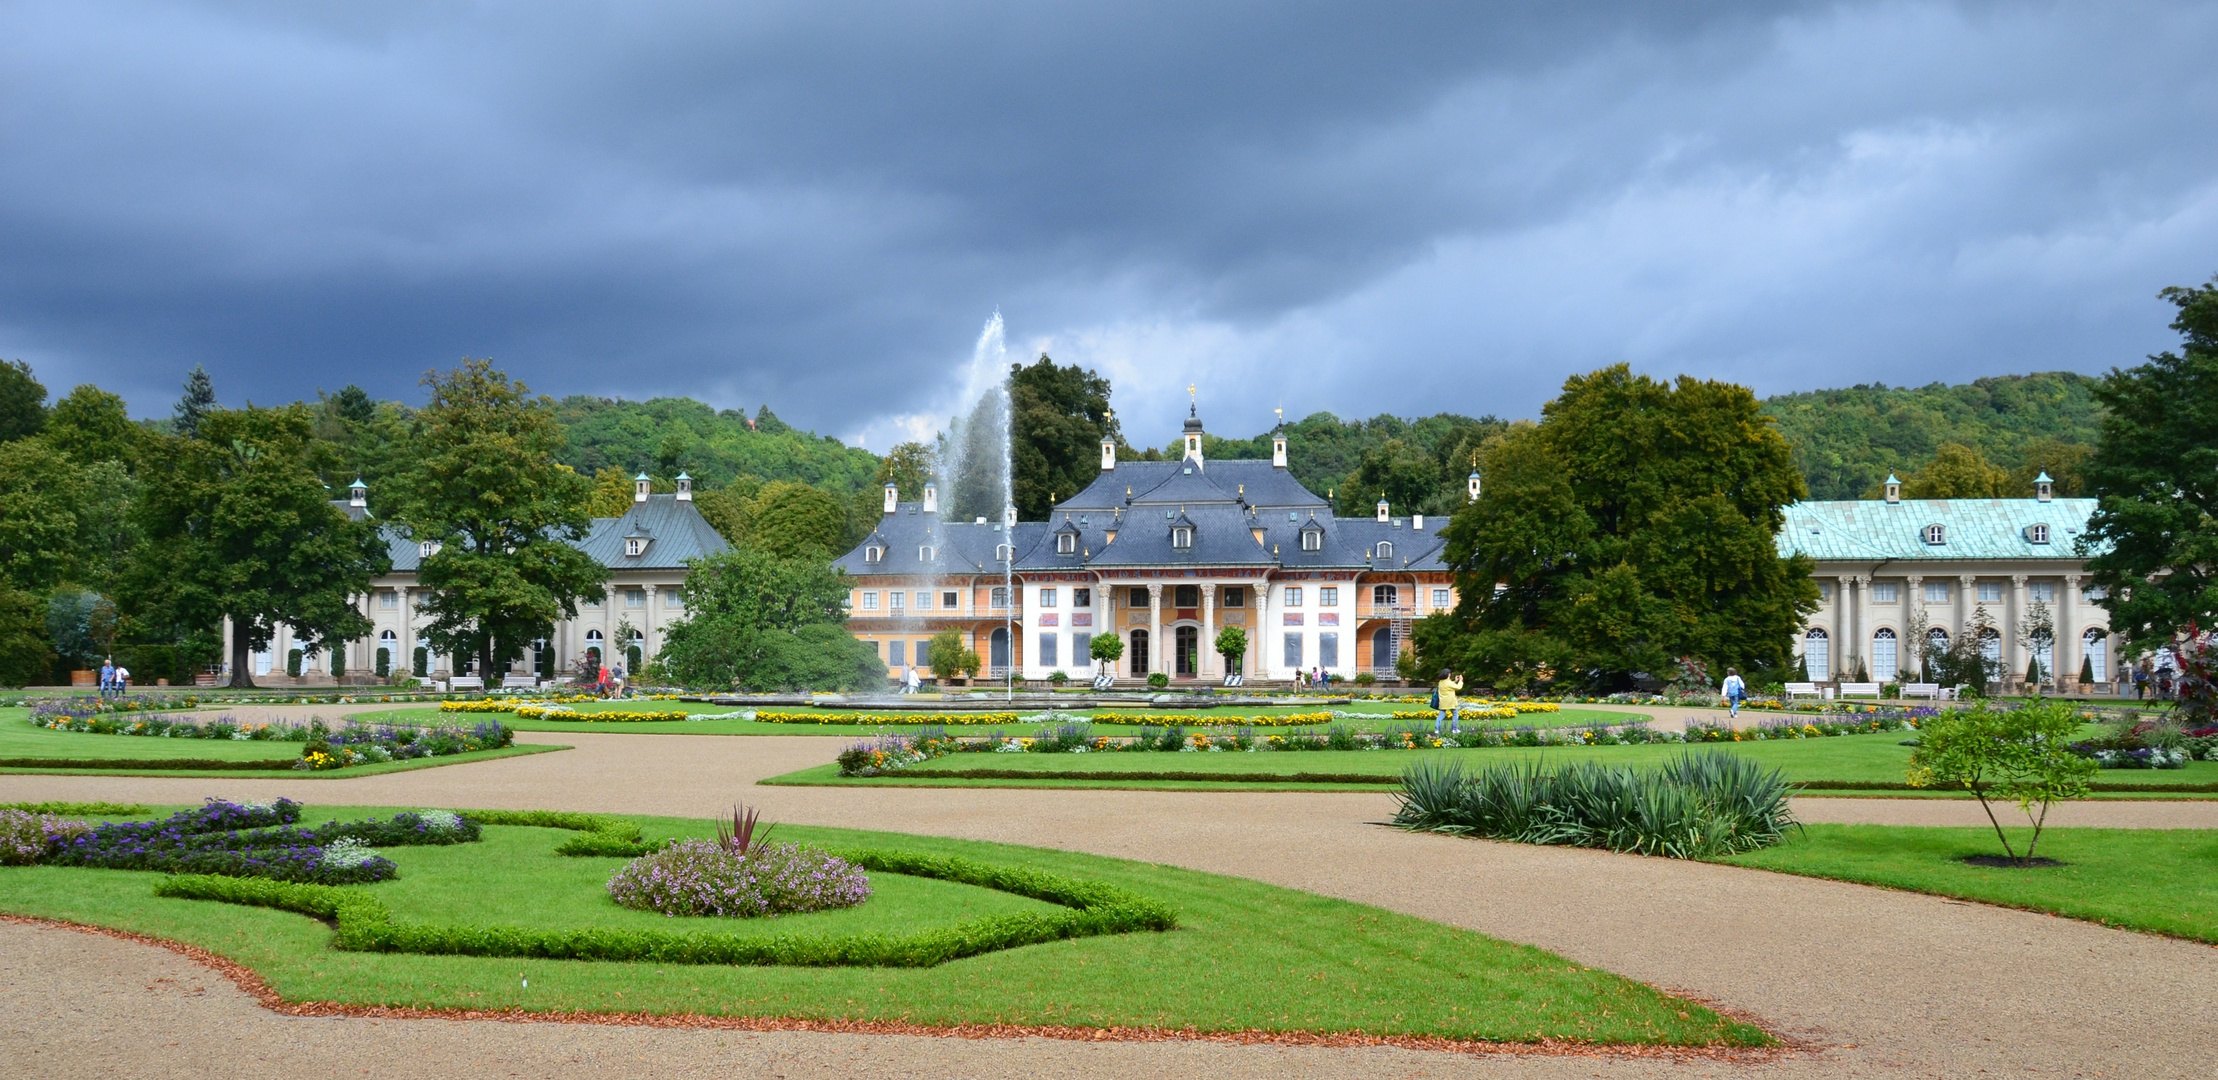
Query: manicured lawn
point(19, 738)
point(1382, 712)
point(1246, 956)
point(2160, 880)
point(1875, 758)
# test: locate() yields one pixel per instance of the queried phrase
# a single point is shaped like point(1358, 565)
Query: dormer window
point(874, 553)
point(927, 553)
point(1936, 534)
point(1386, 549)
point(2037, 534)
point(1182, 537)
point(427, 549)
point(1004, 553)
point(635, 546)
point(1066, 543)
point(1313, 539)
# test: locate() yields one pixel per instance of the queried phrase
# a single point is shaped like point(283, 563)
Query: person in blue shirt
point(1736, 691)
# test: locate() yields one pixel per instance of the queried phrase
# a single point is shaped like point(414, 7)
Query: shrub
point(292, 663)
point(1058, 677)
point(2018, 754)
point(702, 877)
point(25, 837)
point(1696, 806)
point(384, 662)
point(1365, 678)
point(1158, 680)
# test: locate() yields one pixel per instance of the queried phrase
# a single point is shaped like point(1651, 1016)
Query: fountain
point(971, 463)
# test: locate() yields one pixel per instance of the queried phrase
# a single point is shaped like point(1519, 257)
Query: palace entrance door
point(1187, 640)
point(1136, 654)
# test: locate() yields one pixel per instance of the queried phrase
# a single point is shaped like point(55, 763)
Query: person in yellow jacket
point(1444, 699)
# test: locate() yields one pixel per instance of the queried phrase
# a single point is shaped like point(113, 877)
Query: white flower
point(440, 820)
point(347, 853)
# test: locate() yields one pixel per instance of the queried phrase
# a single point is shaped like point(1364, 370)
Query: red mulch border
point(259, 989)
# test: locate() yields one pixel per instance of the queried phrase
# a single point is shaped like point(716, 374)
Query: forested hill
point(666, 435)
point(1848, 440)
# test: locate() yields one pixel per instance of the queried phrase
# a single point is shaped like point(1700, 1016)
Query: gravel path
point(1889, 984)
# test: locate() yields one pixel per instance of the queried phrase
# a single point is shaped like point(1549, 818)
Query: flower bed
point(704, 877)
point(253, 840)
point(536, 701)
point(1207, 720)
point(363, 744)
point(1809, 729)
point(965, 719)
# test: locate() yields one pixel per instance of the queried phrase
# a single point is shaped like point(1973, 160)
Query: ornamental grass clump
point(1696, 806)
point(705, 877)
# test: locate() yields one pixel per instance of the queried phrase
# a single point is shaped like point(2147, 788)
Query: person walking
point(1735, 690)
point(2141, 681)
point(107, 678)
point(1444, 699)
point(910, 684)
point(600, 682)
point(122, 680)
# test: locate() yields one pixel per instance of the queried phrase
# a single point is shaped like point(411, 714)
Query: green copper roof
point(1873, 529)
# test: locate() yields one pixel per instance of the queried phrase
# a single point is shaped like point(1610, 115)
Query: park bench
point(1859, 689)
point(1803, 689)
point(1929, 691)
point(465, 682)
point(519, 682)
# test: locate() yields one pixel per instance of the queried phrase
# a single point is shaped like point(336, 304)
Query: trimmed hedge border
point(150, 764)
point(364, 924)
point(1110, 774)
point(1895, 785)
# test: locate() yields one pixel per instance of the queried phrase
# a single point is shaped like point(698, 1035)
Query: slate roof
point(1874, 530)
point(675, 530)
point(959, 547)
point(1222, 537)
point(1258, 483)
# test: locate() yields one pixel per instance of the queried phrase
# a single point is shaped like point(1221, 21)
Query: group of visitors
point(115, 679)
point(1312, 679)
point(2149, 678)
point(610, 682)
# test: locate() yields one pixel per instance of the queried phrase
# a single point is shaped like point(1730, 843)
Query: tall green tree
point(22, 401)
point(796, 521)
point(758, 621)
point(38, 515)
point(907, 467)
point(237, 524)
point(1398, 470)
point(1633, 525)
point(1058, 416)
point(2153, 540)
point(485, 486)
point(91, 425)
point(1957, 471)
point(198, 399)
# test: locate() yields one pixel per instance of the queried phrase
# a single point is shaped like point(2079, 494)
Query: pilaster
point(1155, 627)
point(1206, 664)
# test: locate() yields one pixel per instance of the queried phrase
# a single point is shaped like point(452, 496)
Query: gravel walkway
point(1888, 984)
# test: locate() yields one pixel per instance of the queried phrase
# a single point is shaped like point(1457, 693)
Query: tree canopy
point(1632, 526)
point(1847, 440)
point(758, 621)
point(1058, 417)
point(2155, 527)
point(22, 401)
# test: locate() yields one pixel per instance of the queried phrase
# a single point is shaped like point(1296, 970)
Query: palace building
point(1164, 554)
point(645, 550)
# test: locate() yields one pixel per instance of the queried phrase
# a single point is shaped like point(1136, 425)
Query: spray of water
point(971, 462)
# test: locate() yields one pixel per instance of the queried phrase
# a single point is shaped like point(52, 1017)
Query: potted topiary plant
point(1158, 680)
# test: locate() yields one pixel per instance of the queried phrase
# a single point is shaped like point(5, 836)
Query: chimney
point(893, 497)
point(358, 493)
point(1894, 489)
point(685, 488)
point(2044, 488)
point(640, 485)
point(931, 498)
point(1383, 508)
point(1278, 450)
point(1108, 454)
point(1472, 485)
point(1417, 523)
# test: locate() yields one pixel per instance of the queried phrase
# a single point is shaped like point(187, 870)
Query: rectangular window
point(1440, 598)
point(897, 600)
point(924, 654)
point(1048, 650)
point(1235, 596)
point(1139, 598)
point(2044, 591)
point(1990, 592)
point(672, 596)
point(388, 599)
point(2096, 592)
point(1000, 600)
point(635, 598)
point(1047, 597)
point(870, 600)
point(949, 601)
point(1081, 598)
point(1293, 650)
point(1936, 592)
point(923, 600)
point(1294, 596)
point(1327, 596)
point(1825, 592)
point(1885, 592)
point(1081, 648)
point(590, 601)
point(1328, 650)
point(897, 654)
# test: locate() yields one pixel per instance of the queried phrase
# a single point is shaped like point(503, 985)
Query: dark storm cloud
point(1350, 207)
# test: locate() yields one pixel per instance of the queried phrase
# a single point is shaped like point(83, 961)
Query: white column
point(2015, 665)
point(1155, 627)
point(1843, 634)
point(647, 626)
point(1863, 620)
point(406, 661)
point(2067, 648)
point(1911, 653)
point(1202, 666)
point(1967, 591)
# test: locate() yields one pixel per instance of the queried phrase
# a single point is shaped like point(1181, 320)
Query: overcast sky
point(1360, 208)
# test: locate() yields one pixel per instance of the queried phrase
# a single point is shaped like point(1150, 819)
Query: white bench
point(465, 682)
point(1929, 691)
point(1859, 689)
point(1803, 689)
point(519, 682)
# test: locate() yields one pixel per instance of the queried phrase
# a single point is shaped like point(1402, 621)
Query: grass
point(19, 738)
point(1847, 759)
point(2163, 881)
point(1247, 956)
point(425, 714)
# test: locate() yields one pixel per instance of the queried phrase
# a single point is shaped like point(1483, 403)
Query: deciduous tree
point(761, 622)
point(485, 487)
point(22, 402)
point(1058, 416)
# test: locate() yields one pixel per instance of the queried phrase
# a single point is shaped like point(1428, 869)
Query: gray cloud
point(1345, 207)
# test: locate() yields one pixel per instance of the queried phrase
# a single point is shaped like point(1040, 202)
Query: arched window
point(1066, 543)
point(1182, 537)
point(926, 553)
point(1990, 651)
point(1313, 539)
point(1817, 655)
point(1386, 549)
point(1385, 596)
point(874, 553)
point(1883, 655)
point(1936, 534)
point(998, 650)
point(1382, 650)
point(2037, 534)
point(2096, 644)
